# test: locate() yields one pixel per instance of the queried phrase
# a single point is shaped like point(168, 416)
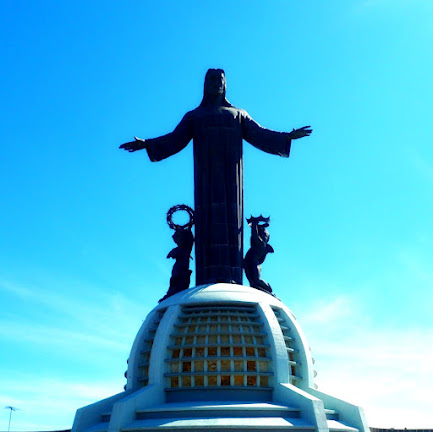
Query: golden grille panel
point(218, 346)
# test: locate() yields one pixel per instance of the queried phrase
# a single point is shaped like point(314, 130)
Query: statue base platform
point(220, 357)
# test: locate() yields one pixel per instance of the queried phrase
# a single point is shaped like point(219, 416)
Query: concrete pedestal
point(220, 357)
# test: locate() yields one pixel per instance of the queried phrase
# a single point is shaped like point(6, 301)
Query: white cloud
point(73, 333)
point(61, 339)
point(387, 371)
point(112, 320)
point(330, 312)
point(46, 403)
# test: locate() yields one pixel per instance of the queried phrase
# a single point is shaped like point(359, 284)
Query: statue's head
point(183, 237)
point(215, 86)
point(215, 82)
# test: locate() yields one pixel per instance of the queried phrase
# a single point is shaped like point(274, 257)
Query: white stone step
point(335, 426)
point(228, 410)
point(262, 424)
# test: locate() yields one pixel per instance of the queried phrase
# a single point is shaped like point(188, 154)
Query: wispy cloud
point(48, 403)
point(332, 312)
point(385, 370)
point(61, 339)
point(108, 317)
point(71, 333)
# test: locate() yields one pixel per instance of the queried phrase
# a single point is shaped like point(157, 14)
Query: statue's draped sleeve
point(267, 140)
point(172, 143)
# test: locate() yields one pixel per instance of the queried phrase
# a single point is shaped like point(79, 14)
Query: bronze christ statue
point(217, 129)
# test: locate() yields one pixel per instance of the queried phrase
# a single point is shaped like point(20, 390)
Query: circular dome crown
point(212, 339)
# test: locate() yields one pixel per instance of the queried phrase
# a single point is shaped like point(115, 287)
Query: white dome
point(220, 337)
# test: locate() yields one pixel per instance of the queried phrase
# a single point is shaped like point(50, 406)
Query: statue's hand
point(301, 132)
point(133, 146)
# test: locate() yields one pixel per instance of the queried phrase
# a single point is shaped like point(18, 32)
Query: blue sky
point(83, 237)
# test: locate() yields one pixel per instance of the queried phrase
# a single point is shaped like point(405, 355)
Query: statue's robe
point(217, 134)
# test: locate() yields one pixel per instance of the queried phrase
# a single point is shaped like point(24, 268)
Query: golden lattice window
point(218, 346)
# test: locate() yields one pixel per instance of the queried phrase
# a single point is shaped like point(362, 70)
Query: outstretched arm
point(270, 141)
point(166, 145)
point(132, 146)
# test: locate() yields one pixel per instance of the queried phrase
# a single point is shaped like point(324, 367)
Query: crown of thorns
point(176, 208)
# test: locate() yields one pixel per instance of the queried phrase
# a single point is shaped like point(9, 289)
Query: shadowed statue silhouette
point(217, 129)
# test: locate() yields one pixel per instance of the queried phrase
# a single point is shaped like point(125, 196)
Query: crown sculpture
point(219, 356)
